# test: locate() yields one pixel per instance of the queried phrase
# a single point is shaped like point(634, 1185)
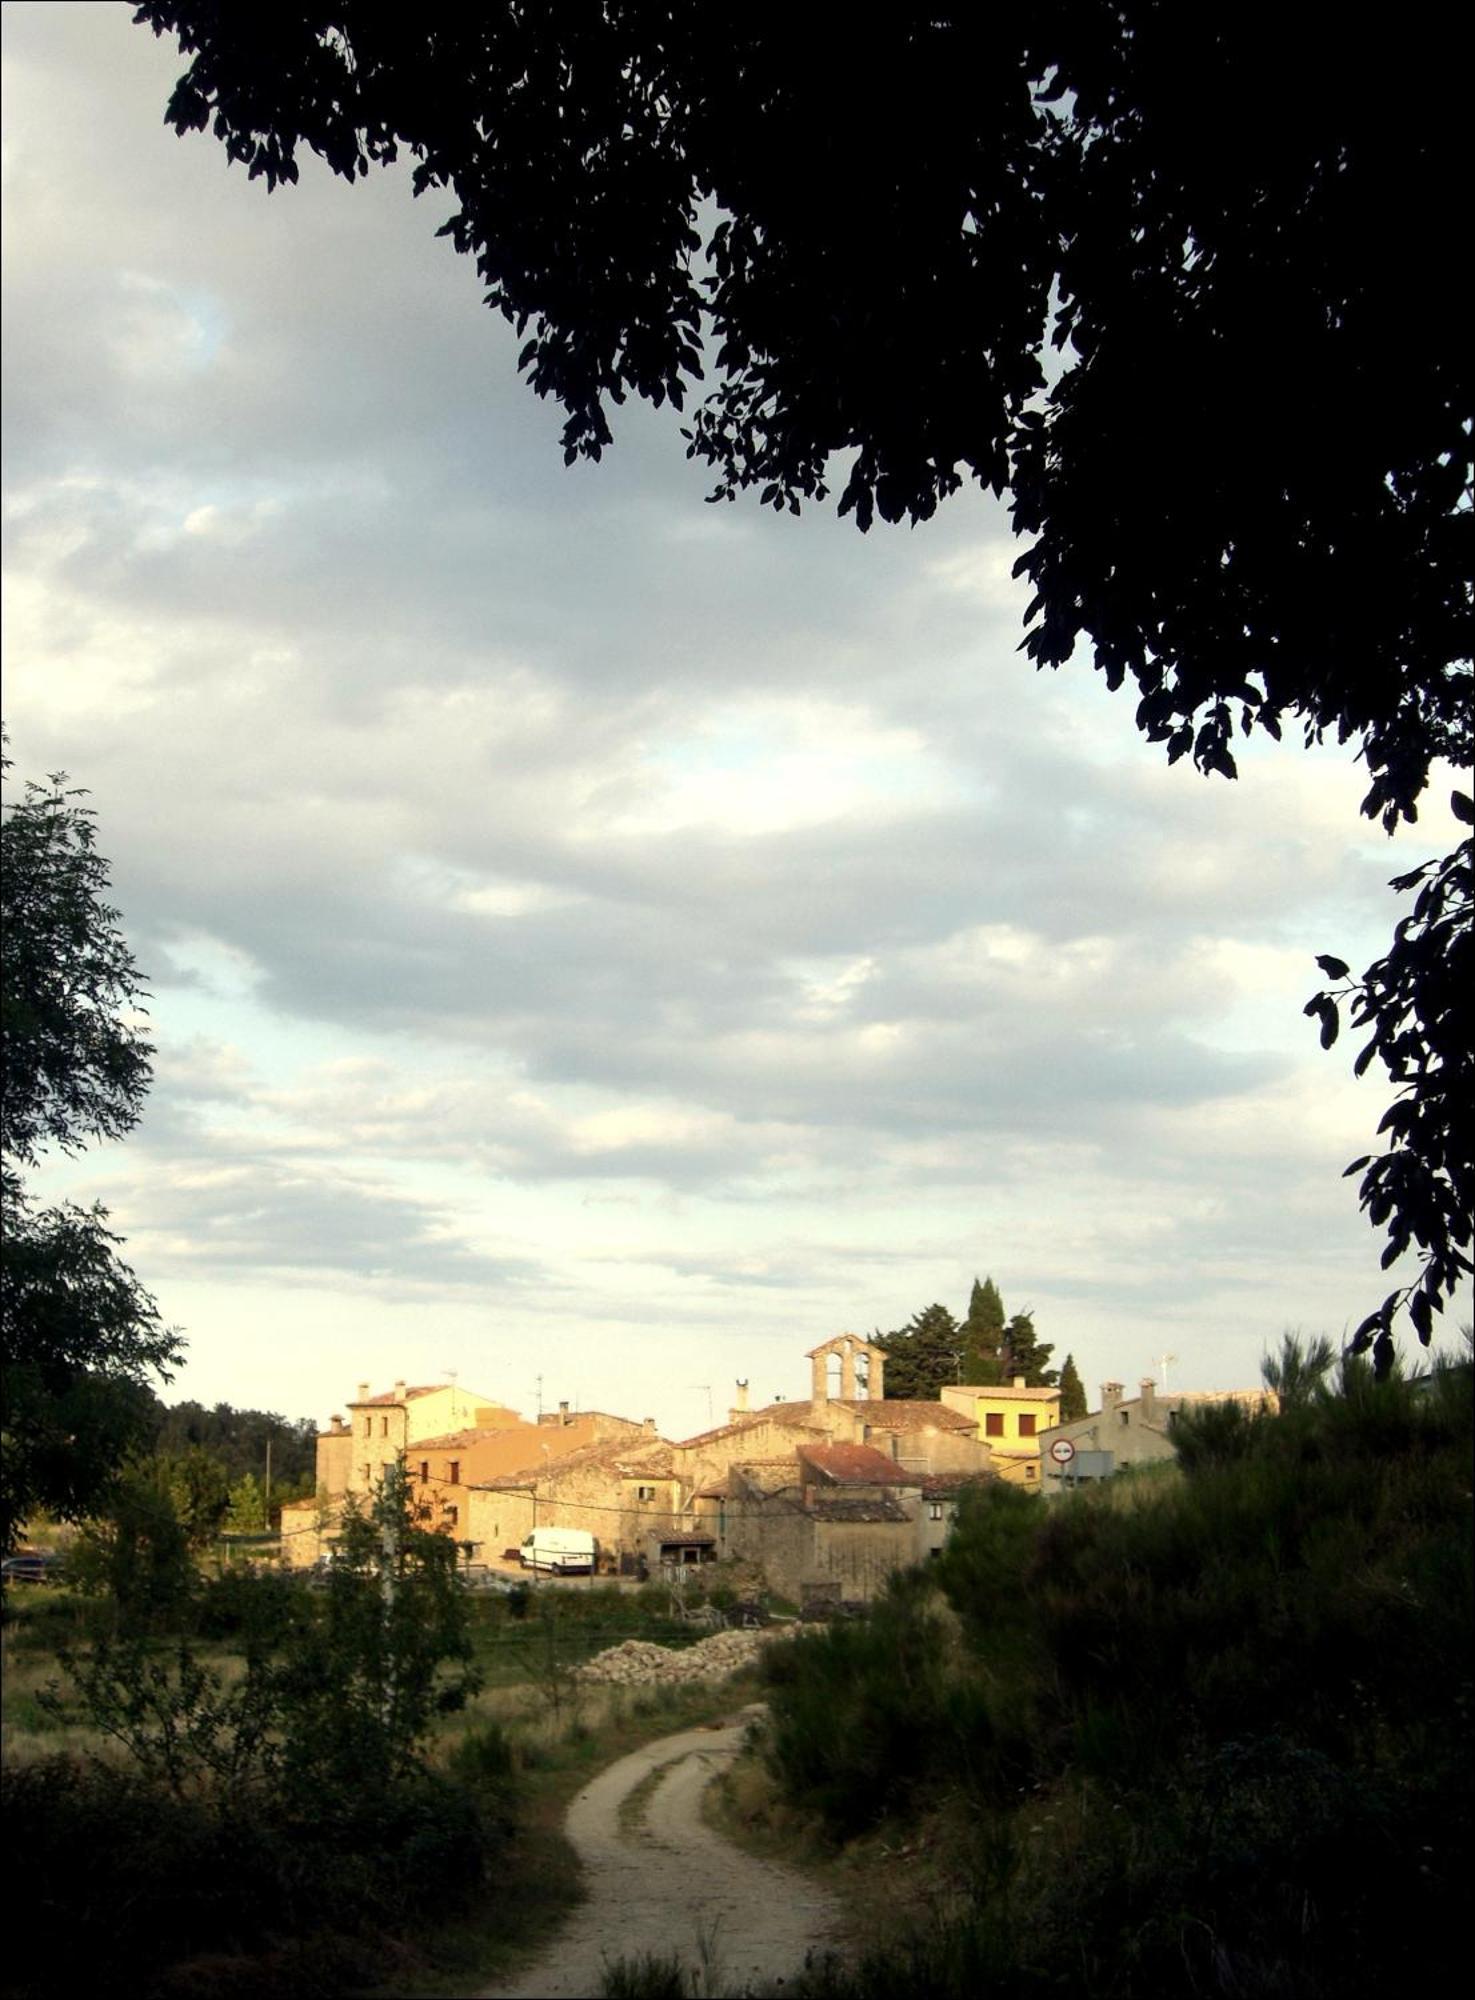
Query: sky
point(602, 944)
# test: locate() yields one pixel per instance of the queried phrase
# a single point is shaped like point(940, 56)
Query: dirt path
point(664, 1881)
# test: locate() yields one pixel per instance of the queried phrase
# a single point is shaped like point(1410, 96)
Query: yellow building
point(1010, 1420)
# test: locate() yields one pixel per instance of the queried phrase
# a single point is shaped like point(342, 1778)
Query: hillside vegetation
point(1204, 1732)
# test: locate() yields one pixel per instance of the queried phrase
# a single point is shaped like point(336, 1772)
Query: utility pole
point(266, 1503)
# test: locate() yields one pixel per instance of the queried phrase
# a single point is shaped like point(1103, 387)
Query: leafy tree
point(1024, 1353)
point(1072, 1392)
point(983, 1334)
point(80, 1334)
point(201, 1494)
point(247, 1515)
point(1243, 475)
point(136, 1551)
point(238, 1441)
point(923, 1356)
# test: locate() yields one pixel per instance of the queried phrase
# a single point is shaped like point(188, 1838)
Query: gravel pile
point(640, 1663)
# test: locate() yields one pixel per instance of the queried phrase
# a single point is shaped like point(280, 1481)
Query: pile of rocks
point(639, 1663)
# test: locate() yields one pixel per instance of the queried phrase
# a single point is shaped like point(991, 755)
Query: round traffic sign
point(1062, 1451)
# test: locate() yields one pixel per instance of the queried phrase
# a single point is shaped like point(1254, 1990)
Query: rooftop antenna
point(707, 1386)
point(540, 1399)
point(1165, 1361)
point(450, 1375)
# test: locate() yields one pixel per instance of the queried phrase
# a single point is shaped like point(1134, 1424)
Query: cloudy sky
point(603, 944)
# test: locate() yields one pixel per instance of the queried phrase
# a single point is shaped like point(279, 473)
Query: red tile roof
point(853, 1465)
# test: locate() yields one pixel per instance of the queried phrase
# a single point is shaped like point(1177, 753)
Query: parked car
point(32, 1566)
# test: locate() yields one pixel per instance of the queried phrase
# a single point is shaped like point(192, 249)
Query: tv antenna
point(707, 1387)
point(1165, 1361)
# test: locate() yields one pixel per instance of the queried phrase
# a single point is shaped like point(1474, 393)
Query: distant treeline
point(237, 1440)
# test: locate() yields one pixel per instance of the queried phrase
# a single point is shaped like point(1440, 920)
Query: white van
point(565, 1551)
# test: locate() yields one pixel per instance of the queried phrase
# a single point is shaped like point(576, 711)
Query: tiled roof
point(907, 1414)
point(1000, 1389)
point(622, 1457)
point(948, 1485)
point(388, 1396)
point(853, 1465)
point(781, 1413)
point(459, 1439)
point(842, 1509)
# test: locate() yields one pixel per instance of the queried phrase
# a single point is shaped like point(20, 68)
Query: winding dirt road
point(664, 1881)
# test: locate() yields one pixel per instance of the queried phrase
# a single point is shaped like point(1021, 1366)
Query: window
point(384, 1427)
point(645, 1493)
point(1026, 1423)
point(453, 1515)
point(1031, 1472)
point(368, 1474)
point(993, 1423)
point(424, 1471)
point(422, 1510)
point(453, 1472)
point(368, 1427)
point(1124, 1417)
point(934, 1510)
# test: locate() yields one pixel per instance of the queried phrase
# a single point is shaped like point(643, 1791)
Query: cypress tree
point(983, 1334)
point(1072, 1392)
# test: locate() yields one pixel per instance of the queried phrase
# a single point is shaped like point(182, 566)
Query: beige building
point(1129, 1431)
point(448, 1439)
point(619, 1490)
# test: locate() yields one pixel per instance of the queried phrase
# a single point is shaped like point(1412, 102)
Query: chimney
point(742, 1398)
point(335, 1425)
point(363, 1392)
point(648, 1423)
point(563, 1415)
point(1149, 1399)
point(1020, 1383)
point(399, 1392)
point(1111, 1395)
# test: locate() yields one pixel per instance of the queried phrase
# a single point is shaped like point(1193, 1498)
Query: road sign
point(1062, 1451)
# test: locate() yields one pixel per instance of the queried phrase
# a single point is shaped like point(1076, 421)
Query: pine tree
point(1024, 1354)
point(982, 1334)
point(1072, 1392)
point(924, 1356)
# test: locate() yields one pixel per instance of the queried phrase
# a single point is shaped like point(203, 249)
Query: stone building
point(619, 1490)
point(447, 1438)
point(1129, 1431)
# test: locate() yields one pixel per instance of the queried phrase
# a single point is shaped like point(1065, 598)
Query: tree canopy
point(80, 1334)
point(1172, 278)
point(923, 1356)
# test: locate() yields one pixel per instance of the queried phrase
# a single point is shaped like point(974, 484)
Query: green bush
point(1213, 1741)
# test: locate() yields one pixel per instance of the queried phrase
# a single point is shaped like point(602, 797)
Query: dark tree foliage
point(924, 1356)
point(78, 1334)
point(1024, 1353)
point(237, 1440)
point(1417, 1002)
point(983, 1334)
point(1244, 480)
point(1072, 1391)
